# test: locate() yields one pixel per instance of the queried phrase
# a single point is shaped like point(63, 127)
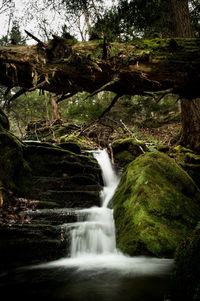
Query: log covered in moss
point(138, 67)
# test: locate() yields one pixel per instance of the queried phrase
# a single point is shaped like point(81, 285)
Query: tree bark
point(56, 114)
point(181, 25)
point(139, 68)
point(135, 68)
point(190, 109)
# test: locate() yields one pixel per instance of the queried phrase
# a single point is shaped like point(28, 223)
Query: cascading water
point(95, 270)
point(93, 244)
point(96, 235)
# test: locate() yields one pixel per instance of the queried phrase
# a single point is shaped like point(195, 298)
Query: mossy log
point(138, 67)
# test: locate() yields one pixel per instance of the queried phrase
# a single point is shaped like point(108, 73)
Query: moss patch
point(126, 150)
point(189, 160)
point(155, 205)
point(15, 172)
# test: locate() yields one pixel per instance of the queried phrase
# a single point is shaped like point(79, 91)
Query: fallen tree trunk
point(140, 67)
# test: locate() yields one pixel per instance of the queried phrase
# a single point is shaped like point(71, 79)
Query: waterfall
point(93, 243)
point(96, 234)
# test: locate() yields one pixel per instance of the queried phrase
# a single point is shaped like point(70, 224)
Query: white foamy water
point(96, 235)
point(110, 178)
point(93, 243)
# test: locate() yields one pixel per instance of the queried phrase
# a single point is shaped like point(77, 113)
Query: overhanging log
point(141, 66)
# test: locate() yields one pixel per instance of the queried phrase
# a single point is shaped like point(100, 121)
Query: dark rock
point(127, 150)
point(15, 173)
point(186, 275)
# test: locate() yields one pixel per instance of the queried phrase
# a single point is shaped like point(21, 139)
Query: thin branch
point(7, 91)
point(161, 97)
point(34, 38)
point(110, 106)
point(38, 86)
point(64, 97)
point(102, 88)
point(140, 147)
point(149, 93)
point(102, 114)
point(19, 93)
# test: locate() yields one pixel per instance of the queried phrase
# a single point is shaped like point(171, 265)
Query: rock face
point(55, 180)
point(186, 276)
point(62, 178)
point(127, 150)
point(155, 206)
point(15, 174)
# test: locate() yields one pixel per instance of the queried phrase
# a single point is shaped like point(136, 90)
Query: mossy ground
point(155, 206)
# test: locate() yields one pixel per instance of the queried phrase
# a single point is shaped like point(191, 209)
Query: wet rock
point(155, 206)
point(127, 150)
point(186, 275)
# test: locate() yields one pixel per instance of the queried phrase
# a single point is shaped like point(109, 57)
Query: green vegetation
point(15, 172)
point(155, 206)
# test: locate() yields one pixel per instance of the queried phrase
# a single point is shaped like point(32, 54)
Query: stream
point(95, 269)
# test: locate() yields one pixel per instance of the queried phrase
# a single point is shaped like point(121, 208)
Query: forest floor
point(167, 134)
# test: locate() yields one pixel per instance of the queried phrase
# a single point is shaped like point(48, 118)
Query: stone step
point(79, 182)
point(33, 243)
point(66, 199)
point(56, 216)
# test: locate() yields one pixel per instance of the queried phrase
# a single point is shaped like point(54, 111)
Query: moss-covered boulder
point(186, 276)
point(15, 173)
point(76, 143)
point(189, 160)
point(127, 150)
point(155, 206)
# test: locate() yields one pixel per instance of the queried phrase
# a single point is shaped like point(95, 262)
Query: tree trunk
point(180, 19)
point(190, 109)
point(56, 114)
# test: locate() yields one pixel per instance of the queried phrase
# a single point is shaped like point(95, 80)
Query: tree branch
point(110, 106)
point(64, 97)
point(102, 88)
point(34, 38)
point(19, 93)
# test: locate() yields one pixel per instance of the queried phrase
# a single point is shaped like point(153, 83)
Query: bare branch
point(115, 99)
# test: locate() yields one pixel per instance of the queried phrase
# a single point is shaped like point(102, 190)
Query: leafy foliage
point(15, 36)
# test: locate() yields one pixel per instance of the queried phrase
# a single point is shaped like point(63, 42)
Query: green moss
point(126, 150)
point(80, 141)
point(57, 162)
point(189, 160)
point(15, 172)
point(155, 205)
